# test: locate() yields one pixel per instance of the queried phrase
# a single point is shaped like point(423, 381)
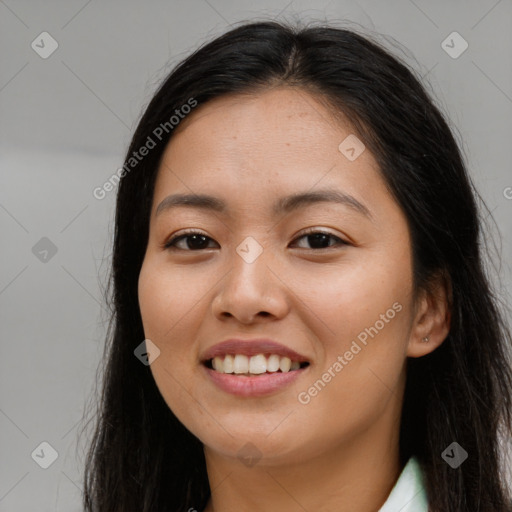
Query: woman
point(301, 318)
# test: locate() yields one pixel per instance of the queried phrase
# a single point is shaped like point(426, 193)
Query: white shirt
point(408, 494)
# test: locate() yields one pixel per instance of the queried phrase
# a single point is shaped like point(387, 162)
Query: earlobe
point(433, 317)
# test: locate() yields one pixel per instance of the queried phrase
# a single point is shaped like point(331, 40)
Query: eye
point(320, 239)
point(196, 241)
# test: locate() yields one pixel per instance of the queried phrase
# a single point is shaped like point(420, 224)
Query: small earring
point(425, 339)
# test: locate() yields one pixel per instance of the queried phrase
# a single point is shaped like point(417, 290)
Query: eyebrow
point(282, 206)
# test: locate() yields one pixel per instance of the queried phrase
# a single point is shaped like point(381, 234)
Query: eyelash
point(170, 243)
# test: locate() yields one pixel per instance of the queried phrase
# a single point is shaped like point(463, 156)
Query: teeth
point(258, 364)
point(228, 364)
point(285, 363)
point(255, 365)
point(273, 363)
point(218, 364)
point(241, 364)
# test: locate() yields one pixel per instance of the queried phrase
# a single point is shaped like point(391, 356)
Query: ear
point(432, 318)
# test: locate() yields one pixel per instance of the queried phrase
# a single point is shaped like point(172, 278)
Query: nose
point(251, 292)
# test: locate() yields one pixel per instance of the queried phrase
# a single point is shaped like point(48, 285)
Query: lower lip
point(259, 385)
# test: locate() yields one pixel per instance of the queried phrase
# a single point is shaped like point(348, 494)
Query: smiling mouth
point(260, 364)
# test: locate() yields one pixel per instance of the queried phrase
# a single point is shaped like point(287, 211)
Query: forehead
point(280, 135)
point(281, 116)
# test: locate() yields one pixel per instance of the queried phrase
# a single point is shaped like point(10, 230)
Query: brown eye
point(194, 241)
point(321, 240)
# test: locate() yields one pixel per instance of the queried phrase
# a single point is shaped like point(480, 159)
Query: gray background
point(65, 123)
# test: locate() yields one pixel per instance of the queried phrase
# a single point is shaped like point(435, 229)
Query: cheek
point(361, 371)
point(365, 312)
point(361, 300)
point(166, 298)
point(168, 307)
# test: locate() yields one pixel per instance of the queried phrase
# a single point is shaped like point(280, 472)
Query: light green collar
point(408, 494)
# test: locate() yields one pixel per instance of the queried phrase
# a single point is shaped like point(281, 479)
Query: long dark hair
point(141, 457)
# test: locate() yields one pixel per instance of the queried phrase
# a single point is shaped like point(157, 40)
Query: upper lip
point(251, 347)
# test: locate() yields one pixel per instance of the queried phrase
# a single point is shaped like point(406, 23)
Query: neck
point(356, 476)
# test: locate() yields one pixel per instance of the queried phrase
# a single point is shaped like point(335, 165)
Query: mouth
point(257, 365)
point(253, 368)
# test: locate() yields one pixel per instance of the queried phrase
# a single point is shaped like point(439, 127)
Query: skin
point(340, 450)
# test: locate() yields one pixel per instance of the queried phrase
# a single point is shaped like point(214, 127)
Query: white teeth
point(255, 365)
point(241, 364)
point(258, 364)
point(218, 364)
point(273, 363)
point(228, 364)
point(285, 364)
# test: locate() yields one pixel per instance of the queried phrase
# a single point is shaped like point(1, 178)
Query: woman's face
point(342, 301)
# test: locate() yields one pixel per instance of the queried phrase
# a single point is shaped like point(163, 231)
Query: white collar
point(408, 494)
